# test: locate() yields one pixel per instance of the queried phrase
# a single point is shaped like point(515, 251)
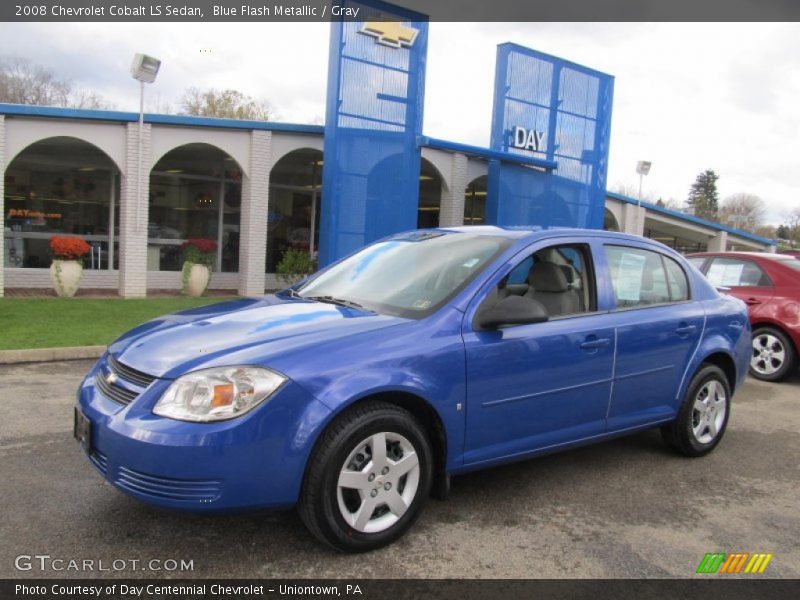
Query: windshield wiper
point(337, 301)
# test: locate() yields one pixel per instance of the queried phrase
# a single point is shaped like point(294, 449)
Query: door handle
point(752, 301)
point(595, 343)
point(686, 329)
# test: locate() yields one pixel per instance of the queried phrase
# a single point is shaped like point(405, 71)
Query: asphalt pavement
point(625, 508)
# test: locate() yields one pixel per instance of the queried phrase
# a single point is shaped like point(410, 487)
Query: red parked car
point(770, 286)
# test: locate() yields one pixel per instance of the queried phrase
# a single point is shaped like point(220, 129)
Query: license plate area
point(82, 430)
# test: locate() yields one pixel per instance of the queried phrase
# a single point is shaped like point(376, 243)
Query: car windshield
point(409, 275)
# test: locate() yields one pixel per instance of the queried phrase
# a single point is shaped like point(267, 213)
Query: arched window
point(475, 201)
point(295, 186)
point(430, 195)
point(60, 186)
point(610, 221)
point(195, 192)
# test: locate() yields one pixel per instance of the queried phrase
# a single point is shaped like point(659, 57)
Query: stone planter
point(66, 276)
point(195, 279)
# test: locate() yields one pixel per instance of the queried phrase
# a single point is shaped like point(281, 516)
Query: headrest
point(547, 277)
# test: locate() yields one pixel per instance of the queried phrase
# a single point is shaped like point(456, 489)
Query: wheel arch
point(421, 409)
point(724, 361)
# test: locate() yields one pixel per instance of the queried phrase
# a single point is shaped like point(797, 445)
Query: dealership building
point(254, 187)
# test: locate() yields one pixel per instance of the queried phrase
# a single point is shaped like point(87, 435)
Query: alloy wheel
point(708, 412)
point(768, 354)
point(378, 482)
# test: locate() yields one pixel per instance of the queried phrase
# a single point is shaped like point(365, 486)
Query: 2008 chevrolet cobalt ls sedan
point(356, 393)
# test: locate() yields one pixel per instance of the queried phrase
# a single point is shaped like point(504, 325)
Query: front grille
point(114, 392)
point(186, 490)
point(128, 374)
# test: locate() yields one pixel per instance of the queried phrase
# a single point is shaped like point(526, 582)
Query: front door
point(531, 387)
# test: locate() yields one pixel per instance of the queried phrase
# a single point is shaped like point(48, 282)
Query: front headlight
point(218, 394)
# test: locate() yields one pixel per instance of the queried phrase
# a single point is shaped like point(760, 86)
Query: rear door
point(746, 280)
point(658, 328)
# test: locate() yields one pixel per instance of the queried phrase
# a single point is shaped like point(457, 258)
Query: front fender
point(350, 388)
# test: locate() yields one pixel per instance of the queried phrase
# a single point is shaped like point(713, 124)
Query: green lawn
point(52, 322)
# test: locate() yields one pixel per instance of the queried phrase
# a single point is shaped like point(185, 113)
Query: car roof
point(531, 233)
point(733, 254)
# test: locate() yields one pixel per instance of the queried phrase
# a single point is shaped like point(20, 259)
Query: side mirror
point(512, 310)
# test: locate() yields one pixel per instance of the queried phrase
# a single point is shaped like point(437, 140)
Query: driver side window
point(559, 277)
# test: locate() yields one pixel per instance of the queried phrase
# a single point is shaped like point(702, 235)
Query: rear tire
point(774, 357)
point(368, 478)
point(703, 416)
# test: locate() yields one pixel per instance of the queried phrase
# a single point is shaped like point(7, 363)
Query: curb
point(13, 357)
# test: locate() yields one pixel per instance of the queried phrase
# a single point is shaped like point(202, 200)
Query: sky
point(688, 97)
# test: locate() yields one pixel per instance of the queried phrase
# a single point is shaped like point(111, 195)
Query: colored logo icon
point(390, 33)
point(737, 562)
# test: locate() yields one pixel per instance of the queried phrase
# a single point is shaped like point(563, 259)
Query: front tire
point(773, 357)
point(703, 416)
point(367, 479)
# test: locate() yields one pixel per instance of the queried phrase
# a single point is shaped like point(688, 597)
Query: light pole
point(642, 168)
point(144, 69)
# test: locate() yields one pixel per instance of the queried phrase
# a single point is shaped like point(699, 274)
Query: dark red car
point(770, 286)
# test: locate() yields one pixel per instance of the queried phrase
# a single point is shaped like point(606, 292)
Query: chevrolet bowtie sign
point(390, 33)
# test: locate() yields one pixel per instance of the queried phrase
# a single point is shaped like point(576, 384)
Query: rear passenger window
point(734, 272)
point(678, 284)
point(643, 278)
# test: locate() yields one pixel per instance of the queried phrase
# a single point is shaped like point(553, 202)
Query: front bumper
point(254, 461)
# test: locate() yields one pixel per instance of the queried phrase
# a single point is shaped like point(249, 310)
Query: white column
point(718, 243)
point(2, 196)
point(451, 211)
point(253, 225)
point(134, 206)
point(633, 219)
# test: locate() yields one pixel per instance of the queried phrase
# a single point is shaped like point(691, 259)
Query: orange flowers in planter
point(68, 248)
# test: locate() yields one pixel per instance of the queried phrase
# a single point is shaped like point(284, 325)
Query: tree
point(792, 227)
point(743, 211)
point(669, 203)
point(631, 191)
point(227, 104)
point(703, 198)
point(23, 82)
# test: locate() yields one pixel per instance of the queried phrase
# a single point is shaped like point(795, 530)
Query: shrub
point(68, 248)
point(295, 265)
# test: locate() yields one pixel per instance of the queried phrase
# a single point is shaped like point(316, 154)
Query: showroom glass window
point(60, 186)
point(195, 192)
point(643, 278)
point(475, 201)
point(294, 205)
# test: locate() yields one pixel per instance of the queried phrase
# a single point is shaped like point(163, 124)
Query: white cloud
point(687, 96)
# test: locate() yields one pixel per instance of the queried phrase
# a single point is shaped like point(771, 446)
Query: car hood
point(247, 331)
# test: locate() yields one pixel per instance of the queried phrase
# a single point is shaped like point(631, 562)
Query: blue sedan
point(356, 393)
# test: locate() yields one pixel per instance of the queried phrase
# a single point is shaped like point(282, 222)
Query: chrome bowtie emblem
point(111, 378)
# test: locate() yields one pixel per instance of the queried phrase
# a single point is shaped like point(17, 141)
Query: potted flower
point(66, 269)
point(198, 256)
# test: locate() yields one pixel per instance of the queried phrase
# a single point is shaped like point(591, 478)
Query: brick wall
point(451, 212)
point(133, 214)
point(253, 226)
